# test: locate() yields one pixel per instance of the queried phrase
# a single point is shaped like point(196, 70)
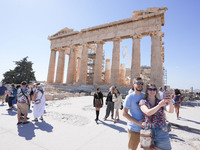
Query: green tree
point(22, 72)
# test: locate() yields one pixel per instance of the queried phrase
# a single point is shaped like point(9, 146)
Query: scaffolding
point(164, 76)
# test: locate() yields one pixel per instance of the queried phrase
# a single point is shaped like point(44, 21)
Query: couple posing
point(136, 104)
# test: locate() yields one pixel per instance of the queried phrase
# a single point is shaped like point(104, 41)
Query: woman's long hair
point(146, 91)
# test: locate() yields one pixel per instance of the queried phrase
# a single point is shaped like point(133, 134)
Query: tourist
point(32, 91)
point(39, 103)
point(177, 100)
point(12, 93)
point(3, 90)
point(160, 92)
point(117, 99)
point(98, 102)
point(133, 113)
point(109, 103)
point(131, 90)
point(153, 110)
point(23, 101)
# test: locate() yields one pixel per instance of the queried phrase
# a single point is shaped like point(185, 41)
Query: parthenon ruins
point(76, 44)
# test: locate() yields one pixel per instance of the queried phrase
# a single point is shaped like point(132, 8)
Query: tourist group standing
point(113, 102)
point(23, 95)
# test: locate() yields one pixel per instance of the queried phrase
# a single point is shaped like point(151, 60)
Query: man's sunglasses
point(154, 89)
point(139, 83)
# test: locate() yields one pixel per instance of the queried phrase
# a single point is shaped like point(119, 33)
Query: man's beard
point(139, 90)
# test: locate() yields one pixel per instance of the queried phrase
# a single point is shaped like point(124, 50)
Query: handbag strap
point(24, 94)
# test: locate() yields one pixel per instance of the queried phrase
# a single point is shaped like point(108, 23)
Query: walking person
point(23, 101)
point(98, 102)
point(3, 90)
point(39, 103)
point(117, 99)
point(160, 93)
point(153, 110)
point(12, 93)
point(177, 100)
point(110, 103)
point(133, 113)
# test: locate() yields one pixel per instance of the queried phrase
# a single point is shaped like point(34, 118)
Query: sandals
point(19, 123)
point(25, 122)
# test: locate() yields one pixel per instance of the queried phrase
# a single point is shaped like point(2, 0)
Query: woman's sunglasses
point(154, 89)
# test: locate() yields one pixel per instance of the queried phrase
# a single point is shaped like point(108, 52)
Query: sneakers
point(104, 119)
point(41, 118)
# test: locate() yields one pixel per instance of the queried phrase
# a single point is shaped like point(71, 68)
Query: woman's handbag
point(146, 137)
point(121, 106)
point(98, 103)
point(37, 101)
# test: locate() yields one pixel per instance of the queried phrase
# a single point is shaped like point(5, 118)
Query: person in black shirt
point(110, 103)
point(98, 102)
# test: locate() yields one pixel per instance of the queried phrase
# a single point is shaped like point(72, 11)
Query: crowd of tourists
point(144, 111)
point(24, 95)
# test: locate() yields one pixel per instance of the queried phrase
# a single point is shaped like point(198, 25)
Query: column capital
point(157, 33)
point(100, 42)
point(136, 36)
point(53, 49)
point(117, 39)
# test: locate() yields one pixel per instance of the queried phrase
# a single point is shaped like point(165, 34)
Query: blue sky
point(26, 24)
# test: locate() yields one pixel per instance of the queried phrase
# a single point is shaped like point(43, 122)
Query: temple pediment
point(64, 31)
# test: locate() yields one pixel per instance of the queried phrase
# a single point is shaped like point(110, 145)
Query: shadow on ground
point(113, 126)
point(184, 119)
point(28, 130)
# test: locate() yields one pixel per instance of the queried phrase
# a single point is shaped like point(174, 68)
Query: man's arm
point(126, 115)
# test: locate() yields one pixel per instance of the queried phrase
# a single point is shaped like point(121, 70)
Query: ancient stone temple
point(76, 44)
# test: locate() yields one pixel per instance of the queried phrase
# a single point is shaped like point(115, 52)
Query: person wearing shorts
point(133, 113)
point(23, 99)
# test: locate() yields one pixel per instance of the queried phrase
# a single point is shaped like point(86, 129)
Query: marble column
point(75, 64)
point(84, 65)
point(122, 74)
point(135, 64)
point(115, 62)
point(78, 69)
point(70, 70)
point(98, 64)
point(51, 71)
point(156, 60)
point(60, 67)
point(107, 72)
